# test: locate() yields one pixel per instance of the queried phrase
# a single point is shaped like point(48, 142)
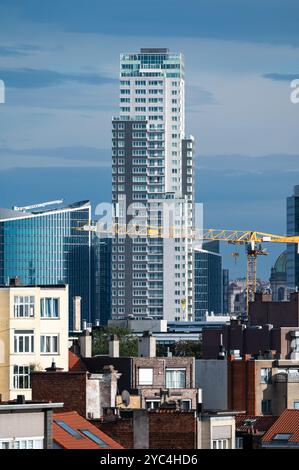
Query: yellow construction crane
point(252, 241)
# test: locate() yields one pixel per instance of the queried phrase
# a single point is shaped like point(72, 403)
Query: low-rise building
point(26, 424)
point(72, 431)
point(253, 340)
point(169, 428)
point(250, 430)
point(284, 433)
point(81, 391)
point(33, 331)
point(149, 379)
point(261, 386)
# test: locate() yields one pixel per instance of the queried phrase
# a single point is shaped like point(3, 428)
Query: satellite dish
point(126, 398)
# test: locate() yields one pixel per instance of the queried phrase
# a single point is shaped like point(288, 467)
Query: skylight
point(94, 438)
point(282, 436)
point(68, 429)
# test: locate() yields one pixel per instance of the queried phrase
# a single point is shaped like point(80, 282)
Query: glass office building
point(293, 229)
point(44, 248)
point(208, 280)
point(101, 279)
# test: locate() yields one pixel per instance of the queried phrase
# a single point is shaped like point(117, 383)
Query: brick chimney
point(147, 345)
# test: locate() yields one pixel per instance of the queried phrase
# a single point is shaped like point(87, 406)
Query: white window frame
point(43, 351)
point(175, 369)
point(43, 302)
point(16, 443)
point(220, 444)
point(151, 401)
point(16, 377)
point(30, 334)
point(24, 308)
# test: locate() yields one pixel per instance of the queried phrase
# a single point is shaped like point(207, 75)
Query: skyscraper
point(101, 279)
point(152, 184)
point(43, 247)
point(293, 229)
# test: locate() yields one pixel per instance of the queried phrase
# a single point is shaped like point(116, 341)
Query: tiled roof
point(287, 423)
point(75, 438)
point(260, 424)
point(75, 363)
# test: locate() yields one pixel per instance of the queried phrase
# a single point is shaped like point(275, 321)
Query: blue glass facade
point(45, 248)
point(293, 229)
point(208, 281)
point(101, 279)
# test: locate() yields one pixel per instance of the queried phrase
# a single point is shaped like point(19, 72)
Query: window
point(220, 444)
point(266, 407)
point(296, 405)
point(21, 377)
point(49, 307)
point(23, 306)
point(152, 404)
point(94, 438)
point(49, 344)
point(239, 442)
point(18, 443)
point(186, 405)
point(175, 378)
point(24, 341)
point(145, 376)
point(265, 375)
point(284, 436)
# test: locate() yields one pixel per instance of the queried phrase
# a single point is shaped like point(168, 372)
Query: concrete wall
point(211, 377)
point(13, 425)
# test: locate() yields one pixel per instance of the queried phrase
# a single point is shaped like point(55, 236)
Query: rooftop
point(257, 424)
point(10, 214)
point(72, 431)
point(21, 404)
point(284, 430)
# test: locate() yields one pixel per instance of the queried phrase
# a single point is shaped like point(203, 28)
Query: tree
point(128, 343)
point(181, 348)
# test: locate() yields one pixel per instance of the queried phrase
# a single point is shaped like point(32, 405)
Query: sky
point(59, 60)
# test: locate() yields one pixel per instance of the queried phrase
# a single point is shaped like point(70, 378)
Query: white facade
point(34, 332)
point(156, 172)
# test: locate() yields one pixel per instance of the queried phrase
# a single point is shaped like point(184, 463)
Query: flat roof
point(41, 286)
point(13, 406)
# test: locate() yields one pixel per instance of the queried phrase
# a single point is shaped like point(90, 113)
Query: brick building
point(279, 314)
point(79, 390)
point(262, 386)
point(167, 428)
point(273, 326)
point(149, 379)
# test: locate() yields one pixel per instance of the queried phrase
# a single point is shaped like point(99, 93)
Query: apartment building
point(152, 184)
point(26, 424)
point(256, 386)
point(33, 333)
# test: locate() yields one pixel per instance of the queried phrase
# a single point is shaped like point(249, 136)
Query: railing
point(281, 377)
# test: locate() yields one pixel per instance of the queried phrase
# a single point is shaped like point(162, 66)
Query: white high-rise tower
point(153, 175)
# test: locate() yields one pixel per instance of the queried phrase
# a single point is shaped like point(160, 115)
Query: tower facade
point(152, 185)
point(43, 247)
point(293, 229)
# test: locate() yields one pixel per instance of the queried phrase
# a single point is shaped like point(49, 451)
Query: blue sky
point(59, 60)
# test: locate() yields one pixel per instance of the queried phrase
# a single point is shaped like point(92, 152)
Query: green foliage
point(128, 344)
point(182, 348)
